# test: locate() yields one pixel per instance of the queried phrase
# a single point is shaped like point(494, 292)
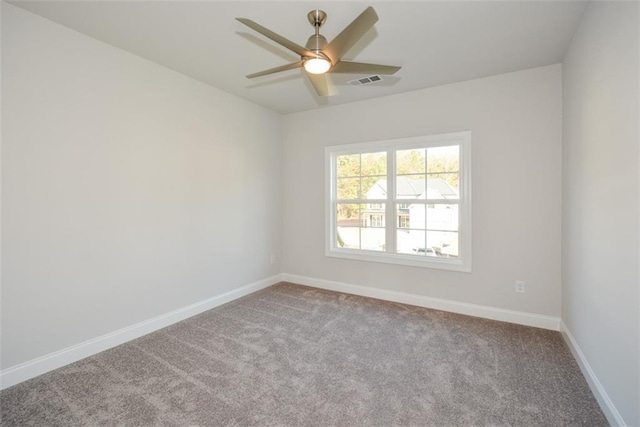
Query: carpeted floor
point(293, 355)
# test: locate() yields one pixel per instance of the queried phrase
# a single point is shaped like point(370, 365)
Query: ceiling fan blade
point(320, 83)
point(276, 69)
point(350, 35)
point(348, 67)
point(294, 47)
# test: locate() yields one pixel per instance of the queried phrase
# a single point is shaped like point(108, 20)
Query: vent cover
point(364, 81)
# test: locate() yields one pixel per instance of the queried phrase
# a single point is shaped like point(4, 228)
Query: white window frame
point(462, 263)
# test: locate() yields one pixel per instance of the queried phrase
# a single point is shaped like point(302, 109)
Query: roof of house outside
point(414, 188)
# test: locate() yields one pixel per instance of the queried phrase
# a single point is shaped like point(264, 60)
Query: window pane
point(444, 244)
point(348, 165)
point(348, 237)
point(373, 215)
point(403, 215)
point(359, 227)
point(348, 188)
point(348, 226)
point(443, 186)
point(443, 159)
point(374, 163)
point(411, 215)
point(410, 242)
point(410, 161)
point(372, 234)
point(348, 215)
point(410, 187)
point(374, 187)
point(442, 217)
point(373, 239)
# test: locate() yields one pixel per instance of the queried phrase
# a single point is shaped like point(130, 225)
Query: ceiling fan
point(319, 57)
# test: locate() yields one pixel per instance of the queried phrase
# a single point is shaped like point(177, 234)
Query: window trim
point(463, 262)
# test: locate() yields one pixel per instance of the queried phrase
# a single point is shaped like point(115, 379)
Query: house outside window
point(423, 182)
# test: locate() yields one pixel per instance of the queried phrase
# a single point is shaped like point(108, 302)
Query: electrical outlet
point(273, 258)
point(520, 286)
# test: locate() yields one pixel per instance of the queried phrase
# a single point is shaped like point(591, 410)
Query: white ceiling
point(434, 42)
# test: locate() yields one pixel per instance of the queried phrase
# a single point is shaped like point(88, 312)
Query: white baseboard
point(511, 316)
point(33, 368)
point(607, 406)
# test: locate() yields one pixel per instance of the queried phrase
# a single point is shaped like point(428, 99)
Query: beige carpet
point(293, 355)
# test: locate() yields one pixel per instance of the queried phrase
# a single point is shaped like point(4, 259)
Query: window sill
point(400, 259)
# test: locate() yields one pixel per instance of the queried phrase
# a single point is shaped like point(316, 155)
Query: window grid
point(395, 206)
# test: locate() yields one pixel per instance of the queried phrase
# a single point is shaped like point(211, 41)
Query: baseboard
point(511, 316)
point(33, 368)
point(607, 406)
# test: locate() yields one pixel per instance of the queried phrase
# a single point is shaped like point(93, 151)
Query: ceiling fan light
point(317, 65)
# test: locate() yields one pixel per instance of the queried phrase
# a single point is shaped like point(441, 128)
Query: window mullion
point(361, 196)
point(390, 212)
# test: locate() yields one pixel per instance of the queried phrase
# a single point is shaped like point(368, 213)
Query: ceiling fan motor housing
point(316, 43)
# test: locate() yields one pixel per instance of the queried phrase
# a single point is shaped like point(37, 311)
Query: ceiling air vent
point(364, 81)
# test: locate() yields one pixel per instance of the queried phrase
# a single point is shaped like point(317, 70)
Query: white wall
point(600, 200)
point(515, 120)
point(128, 190)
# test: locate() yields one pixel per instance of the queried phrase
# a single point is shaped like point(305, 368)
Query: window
point(422, 182)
